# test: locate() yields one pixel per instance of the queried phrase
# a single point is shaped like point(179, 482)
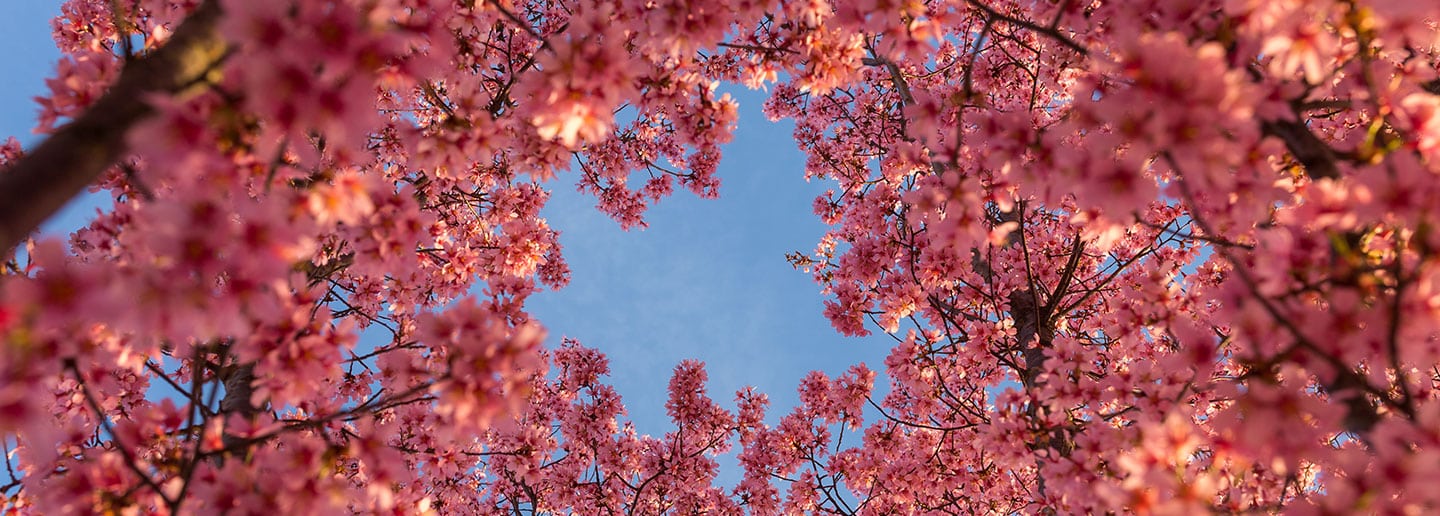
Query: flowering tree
point(1144, 255)
point(1161, 256)
point(288, 174)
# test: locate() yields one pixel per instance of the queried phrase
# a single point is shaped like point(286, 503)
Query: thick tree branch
point(40, 183)
point(1315, 155)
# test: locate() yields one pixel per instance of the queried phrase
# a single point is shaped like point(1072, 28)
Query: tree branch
point(1315, 155)
point(40, 183)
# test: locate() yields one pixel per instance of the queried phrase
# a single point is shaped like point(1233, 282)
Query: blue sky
point(707, 280)
point(29, 57)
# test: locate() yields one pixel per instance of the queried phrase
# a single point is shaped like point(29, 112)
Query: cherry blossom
point(1147, 256)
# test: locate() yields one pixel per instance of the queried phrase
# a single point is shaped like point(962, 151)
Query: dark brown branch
point(1315, 155)
point(40, 183)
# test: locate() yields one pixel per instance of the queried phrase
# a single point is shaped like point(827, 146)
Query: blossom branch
point(126, 454)
point(1051, 32)
point(1361, 414)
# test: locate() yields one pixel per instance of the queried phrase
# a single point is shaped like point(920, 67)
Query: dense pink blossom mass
point(1155, 256)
